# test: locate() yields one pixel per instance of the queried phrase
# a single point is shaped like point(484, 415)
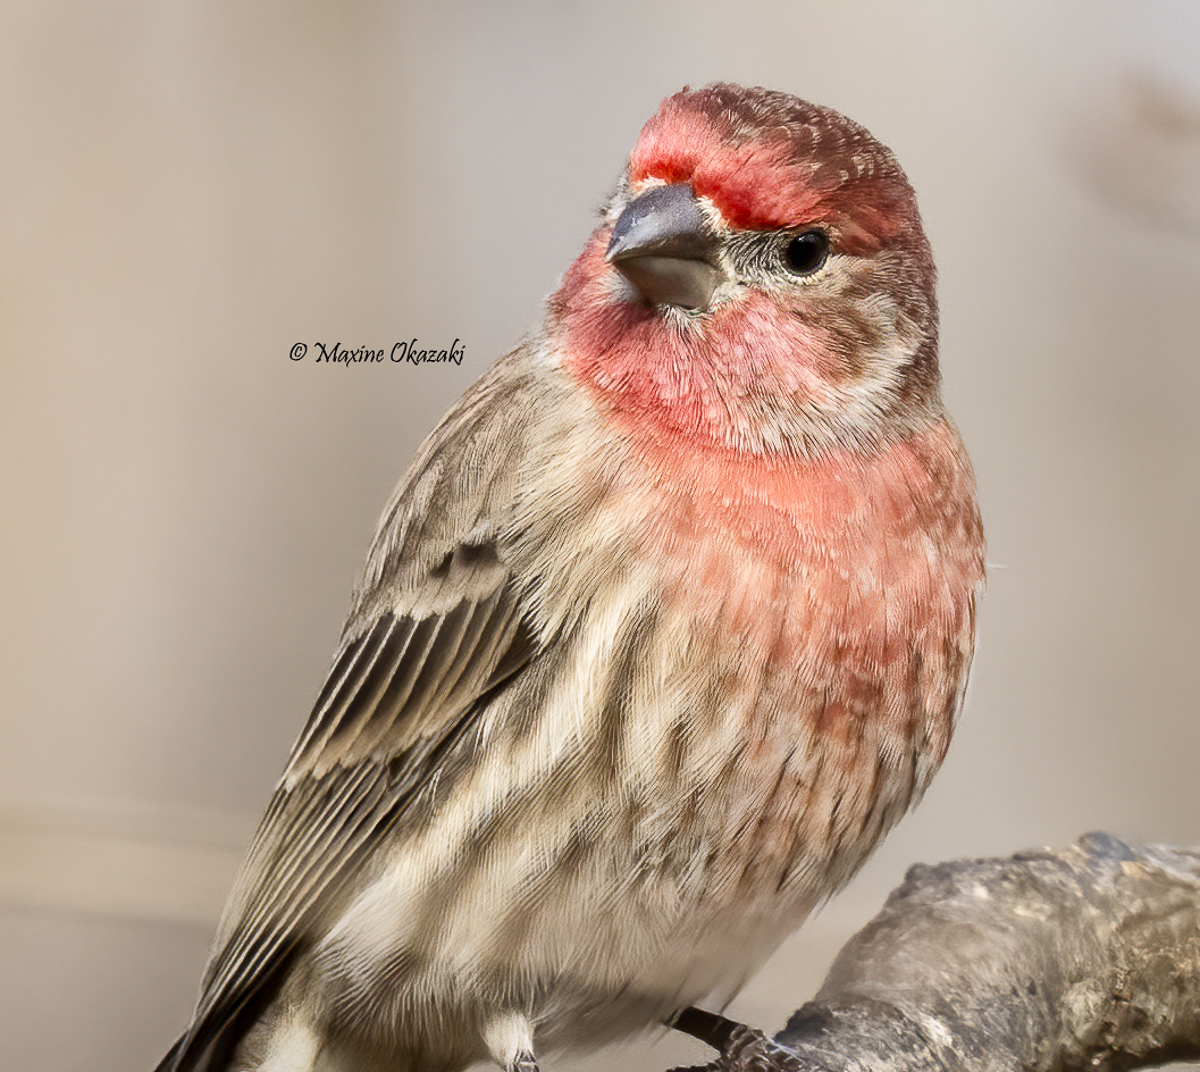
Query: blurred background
point(189, 188)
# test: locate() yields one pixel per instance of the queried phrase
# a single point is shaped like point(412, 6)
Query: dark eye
point(805, 253)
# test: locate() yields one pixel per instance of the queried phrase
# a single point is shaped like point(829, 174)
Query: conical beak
point(664, 246)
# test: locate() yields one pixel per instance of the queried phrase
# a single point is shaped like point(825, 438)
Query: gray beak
point(663, 245)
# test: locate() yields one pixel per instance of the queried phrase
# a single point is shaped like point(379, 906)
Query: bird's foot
point(509, 1039)
point(741, 1048)
point(523, 1062)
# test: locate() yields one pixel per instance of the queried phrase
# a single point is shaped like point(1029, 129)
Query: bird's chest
point(819, 625)
point(825, 575)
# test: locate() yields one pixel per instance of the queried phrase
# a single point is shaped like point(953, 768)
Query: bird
point(667, 624)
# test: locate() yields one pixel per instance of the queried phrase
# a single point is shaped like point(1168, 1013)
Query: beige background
point(188, 188)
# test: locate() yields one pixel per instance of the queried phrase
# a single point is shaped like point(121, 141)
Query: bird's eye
point(805, 253)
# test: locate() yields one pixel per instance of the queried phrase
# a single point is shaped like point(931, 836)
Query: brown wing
point(436, 630)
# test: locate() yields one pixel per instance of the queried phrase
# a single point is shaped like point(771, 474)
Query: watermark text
point(408, 352)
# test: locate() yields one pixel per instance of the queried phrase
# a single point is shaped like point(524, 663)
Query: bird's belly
point(603, 862)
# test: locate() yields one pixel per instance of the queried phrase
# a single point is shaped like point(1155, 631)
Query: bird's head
point(760, 281)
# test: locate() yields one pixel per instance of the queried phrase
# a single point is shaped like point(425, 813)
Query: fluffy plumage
point(666, 625)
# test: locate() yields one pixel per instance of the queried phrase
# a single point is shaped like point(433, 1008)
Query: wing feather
point(437, 627)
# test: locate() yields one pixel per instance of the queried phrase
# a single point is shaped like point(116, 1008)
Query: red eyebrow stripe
point(752, 183)
point(764, 170)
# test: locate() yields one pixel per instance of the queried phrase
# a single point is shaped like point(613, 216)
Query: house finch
point(666, 625)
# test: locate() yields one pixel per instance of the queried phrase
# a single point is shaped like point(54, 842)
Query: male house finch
point(666, 625)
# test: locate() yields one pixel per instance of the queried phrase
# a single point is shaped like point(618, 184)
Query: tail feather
point(170, 1063)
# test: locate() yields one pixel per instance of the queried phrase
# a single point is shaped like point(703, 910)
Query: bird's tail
point(170, 1063)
